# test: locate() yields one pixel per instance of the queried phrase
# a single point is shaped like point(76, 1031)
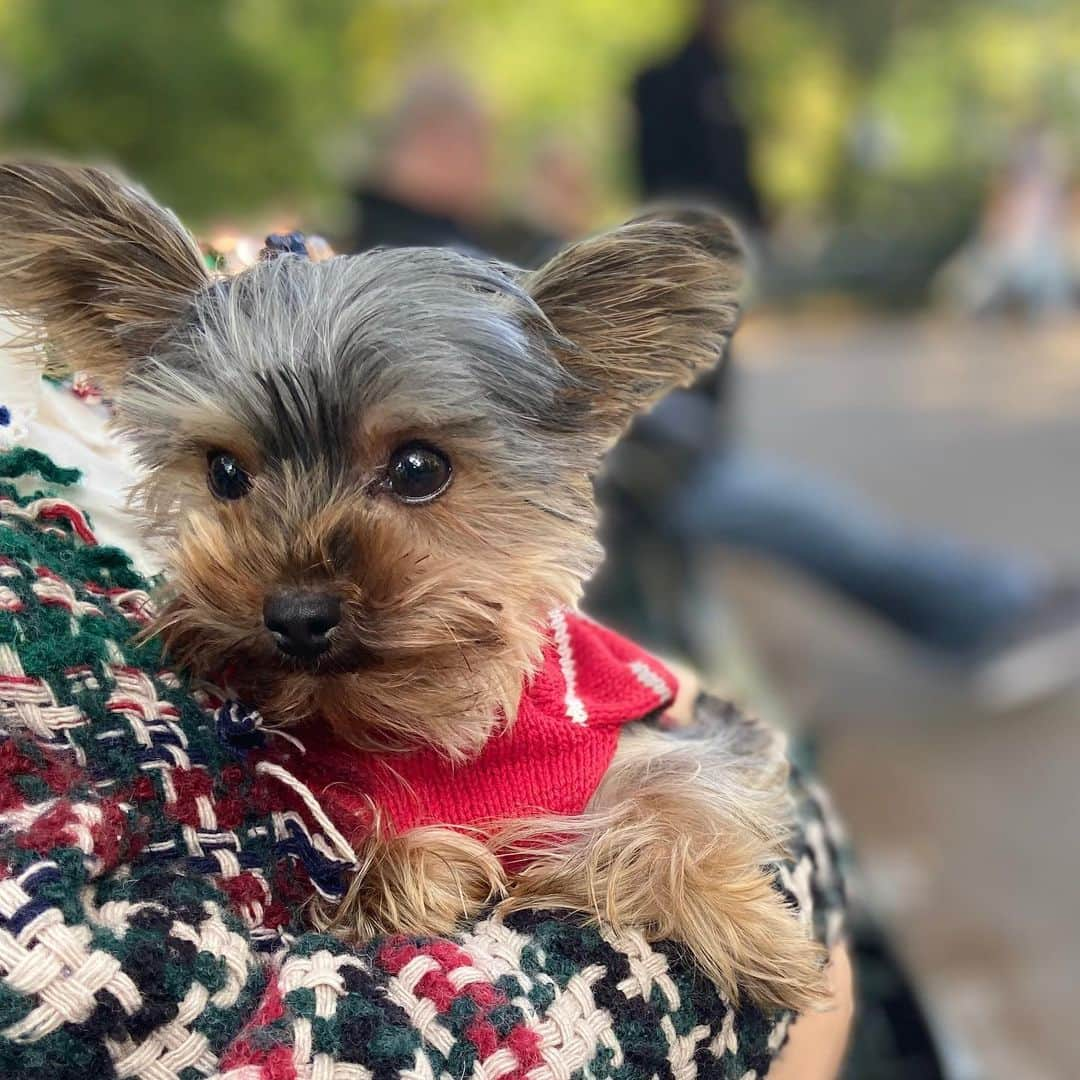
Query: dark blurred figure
point(692, 141)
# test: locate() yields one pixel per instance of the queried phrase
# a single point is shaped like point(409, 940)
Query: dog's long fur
point(675, 842)
point(310, 375)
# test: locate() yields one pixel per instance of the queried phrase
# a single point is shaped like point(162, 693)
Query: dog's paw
point(750, 942)
point(424, 883)
point(677, 843)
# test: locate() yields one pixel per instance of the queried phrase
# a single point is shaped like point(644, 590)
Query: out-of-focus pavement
point(966, 825)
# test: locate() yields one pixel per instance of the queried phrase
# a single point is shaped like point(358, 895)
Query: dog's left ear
point(640, 310)
point(94, 262)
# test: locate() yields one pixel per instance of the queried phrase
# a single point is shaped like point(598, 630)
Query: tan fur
point(95, 262)
point(678, 840)
point(425, 882)
point(440, 637)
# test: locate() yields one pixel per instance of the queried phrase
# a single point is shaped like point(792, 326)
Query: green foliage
point(187, 95)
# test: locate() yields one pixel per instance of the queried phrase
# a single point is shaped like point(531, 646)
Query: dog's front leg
point(424, 882)
point(677, 842)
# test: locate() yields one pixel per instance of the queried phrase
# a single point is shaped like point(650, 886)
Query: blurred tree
point(197, 98)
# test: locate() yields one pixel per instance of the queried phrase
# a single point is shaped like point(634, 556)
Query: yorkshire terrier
point(373, 478)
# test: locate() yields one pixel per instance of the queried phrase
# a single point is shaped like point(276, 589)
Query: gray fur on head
point(297, 363)
point(296, 351)
point(300, 353)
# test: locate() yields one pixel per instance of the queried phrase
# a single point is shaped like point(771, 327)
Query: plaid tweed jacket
point(153, 879)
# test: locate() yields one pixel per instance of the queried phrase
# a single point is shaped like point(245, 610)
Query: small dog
point(373, 478)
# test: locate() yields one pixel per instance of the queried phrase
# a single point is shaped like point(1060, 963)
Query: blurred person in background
point(1019, 259)
point(676, 479)
point(433, 181)
point(677, 484)
point(556, 204)
point(560, 194)
point(691, 139)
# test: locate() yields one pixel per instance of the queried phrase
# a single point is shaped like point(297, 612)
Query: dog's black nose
point(301, 621)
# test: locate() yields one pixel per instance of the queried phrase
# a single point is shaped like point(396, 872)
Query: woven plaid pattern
point(152, 885)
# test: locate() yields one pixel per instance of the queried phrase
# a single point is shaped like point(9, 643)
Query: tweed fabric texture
point(152, 883)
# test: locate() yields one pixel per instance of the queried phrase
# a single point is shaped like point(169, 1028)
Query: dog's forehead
point(301, 353)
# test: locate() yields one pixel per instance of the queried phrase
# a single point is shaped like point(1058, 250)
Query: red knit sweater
point(550, 760)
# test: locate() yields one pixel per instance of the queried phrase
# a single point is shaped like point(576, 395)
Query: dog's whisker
point(551, 511)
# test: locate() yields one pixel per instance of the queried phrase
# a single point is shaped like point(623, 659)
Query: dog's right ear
point(640, 310)
point(93, 262)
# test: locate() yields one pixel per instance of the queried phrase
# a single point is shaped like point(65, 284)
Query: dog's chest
point(549, 761)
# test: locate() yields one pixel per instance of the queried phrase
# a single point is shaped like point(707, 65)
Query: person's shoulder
point(687, 61)
point(665, 70)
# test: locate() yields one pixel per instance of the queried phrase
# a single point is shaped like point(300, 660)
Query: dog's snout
point(301, 621)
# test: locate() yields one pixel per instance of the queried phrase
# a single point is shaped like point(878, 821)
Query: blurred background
point(864, 523)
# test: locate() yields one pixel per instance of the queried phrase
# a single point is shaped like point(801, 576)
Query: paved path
point(968, 825)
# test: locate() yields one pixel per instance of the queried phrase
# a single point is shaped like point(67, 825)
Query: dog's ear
point(640, 310)
point(93, 262)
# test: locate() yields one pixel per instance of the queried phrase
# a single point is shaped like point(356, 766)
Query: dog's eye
point(224, 476)
point(417, 472)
